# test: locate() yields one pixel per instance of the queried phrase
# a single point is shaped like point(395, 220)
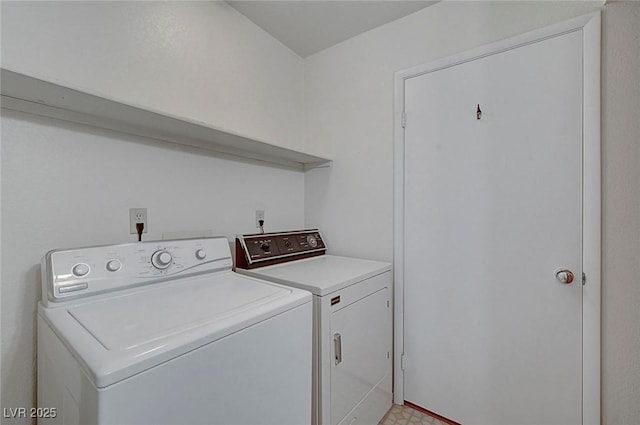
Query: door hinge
point(387, 303)
point(404, 119)
point(584, 278)
point(402, 362)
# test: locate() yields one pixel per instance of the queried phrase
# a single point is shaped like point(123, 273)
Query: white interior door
point(493, 209)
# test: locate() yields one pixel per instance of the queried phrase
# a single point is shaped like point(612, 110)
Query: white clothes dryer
point(352, 320)
point(165, 333)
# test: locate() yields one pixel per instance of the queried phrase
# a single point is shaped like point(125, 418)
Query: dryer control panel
point(262, 249)
point(81, 272)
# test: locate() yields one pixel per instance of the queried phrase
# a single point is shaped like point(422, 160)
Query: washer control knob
point(201, 254)
point(313, 242)
point(114, 265)
point(264, 246)
point(80, 269)
point(161, 259)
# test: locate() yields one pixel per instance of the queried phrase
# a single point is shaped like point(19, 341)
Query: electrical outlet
point(137, 215)
point(259, 216)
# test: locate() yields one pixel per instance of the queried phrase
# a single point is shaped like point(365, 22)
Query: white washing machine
point(165, 333)
point(352, 320)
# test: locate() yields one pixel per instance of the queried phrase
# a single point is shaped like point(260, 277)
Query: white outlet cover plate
point(133, 213)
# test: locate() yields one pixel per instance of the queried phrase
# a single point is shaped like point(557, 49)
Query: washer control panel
point(73, 273)
point(271, 248)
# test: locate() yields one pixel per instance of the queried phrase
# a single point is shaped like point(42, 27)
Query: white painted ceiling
point(309, 26)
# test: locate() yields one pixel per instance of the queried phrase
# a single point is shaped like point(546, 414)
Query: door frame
point(590, 27)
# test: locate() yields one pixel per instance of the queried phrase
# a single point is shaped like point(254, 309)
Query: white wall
point(66, 185)
point(349, 109)
point(201, 60)
point(621, 213)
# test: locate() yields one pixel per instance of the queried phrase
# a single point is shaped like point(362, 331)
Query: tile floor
point(403, 415)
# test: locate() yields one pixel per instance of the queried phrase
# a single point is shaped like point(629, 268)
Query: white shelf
point(36, 96)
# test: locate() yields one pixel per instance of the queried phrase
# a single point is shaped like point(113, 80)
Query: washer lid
point(116, 337)
point(321, 275)
point(130, 321)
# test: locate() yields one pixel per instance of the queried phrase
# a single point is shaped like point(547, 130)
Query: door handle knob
point(564, 276)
